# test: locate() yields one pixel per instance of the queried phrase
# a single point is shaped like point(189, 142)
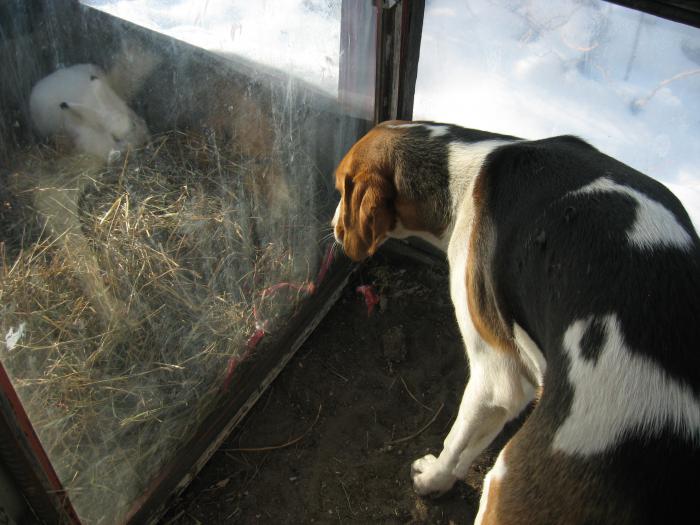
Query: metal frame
point(683, 11)
point(26, 461)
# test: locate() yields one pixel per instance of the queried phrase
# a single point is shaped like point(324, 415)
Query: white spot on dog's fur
point(619, 394)
point(404, 125)
point(654, 225)
point(435, 130)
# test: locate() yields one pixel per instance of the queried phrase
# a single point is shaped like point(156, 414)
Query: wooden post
point(399, 28)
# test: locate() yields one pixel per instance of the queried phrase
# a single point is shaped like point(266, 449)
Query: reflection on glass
point(299, 36)
point(625, 81)
point(161, 212)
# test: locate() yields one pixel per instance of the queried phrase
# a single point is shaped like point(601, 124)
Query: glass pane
point(164, 214)
point(299, 36)
point(625, 81)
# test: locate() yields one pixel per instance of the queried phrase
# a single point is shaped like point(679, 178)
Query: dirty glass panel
point(626, 81)
point(164, 214)
point(300, 36)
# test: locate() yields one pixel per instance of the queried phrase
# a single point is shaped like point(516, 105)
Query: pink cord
point(370, 295)
point(308, 288)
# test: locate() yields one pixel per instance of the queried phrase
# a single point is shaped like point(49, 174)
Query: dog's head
point(384, 193)
point(365, 214)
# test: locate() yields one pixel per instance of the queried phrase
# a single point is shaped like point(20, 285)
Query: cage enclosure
point(166, 188)
point(164, 213)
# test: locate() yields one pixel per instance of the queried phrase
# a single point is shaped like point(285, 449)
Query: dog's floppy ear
point(371, 211)
point(376, 215)
point(348, 187)
point(366, 214)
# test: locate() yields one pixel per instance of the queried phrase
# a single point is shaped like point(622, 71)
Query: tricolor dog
point(575, 281)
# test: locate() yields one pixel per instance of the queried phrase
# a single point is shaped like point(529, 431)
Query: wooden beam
point(399, 28)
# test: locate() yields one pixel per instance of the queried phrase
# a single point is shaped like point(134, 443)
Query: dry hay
point(126, 290)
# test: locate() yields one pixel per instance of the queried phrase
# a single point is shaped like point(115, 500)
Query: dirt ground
point(333, 438)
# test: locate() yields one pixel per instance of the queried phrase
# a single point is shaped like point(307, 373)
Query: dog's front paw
point(430, 477)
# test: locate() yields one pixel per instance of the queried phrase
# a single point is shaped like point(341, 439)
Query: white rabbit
point(78, 102)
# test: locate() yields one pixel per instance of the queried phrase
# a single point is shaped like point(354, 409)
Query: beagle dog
point(576, 283)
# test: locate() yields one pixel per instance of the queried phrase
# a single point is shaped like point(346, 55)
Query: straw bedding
point(127, 289)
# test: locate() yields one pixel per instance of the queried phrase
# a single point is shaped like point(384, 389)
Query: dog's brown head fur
point(377, 183)
point(366, 211)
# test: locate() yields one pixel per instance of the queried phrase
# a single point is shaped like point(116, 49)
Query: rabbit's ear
point(72, 113)
point(106, 98)
point(100, 89)
point(96, 84)
point(78, 116)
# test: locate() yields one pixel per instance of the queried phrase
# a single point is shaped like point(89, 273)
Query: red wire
point(260, 326)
